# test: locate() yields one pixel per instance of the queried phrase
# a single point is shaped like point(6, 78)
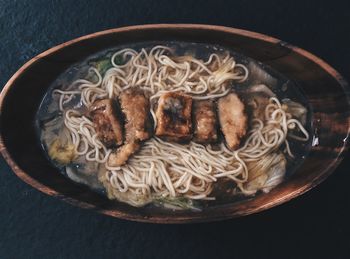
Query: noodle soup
point(174, 124)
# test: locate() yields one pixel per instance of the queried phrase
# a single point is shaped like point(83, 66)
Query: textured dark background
point(33, 225)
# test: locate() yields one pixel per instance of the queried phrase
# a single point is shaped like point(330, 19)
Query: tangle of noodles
point(169, 169)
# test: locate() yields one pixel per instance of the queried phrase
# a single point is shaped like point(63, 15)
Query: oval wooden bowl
point(326, 90)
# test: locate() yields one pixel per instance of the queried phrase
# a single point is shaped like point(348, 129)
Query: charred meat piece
point(123, 153)
point(233, 119)
point(174, 117)
point(106, 121)
point(136, 109)
point(205, 122)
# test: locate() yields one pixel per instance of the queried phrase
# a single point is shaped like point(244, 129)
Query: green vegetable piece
point(103, 65)
point(118, 60)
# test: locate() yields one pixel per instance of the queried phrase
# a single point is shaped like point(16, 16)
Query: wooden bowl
point(326, 90)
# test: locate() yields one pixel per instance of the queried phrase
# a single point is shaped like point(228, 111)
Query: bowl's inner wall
point(326, 96)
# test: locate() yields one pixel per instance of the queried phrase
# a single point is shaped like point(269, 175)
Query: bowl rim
point(120, 214)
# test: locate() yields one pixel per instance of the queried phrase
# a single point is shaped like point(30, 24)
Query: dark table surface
point(33, 225)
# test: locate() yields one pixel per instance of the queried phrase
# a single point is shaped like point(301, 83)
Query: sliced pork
point(233, 119)
point(205, 122)
point(174, 117)
point(136, 109)
point(107, 123)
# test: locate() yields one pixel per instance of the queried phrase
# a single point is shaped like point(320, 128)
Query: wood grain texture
point(326, 90)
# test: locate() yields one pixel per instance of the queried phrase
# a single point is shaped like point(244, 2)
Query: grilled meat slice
point(205, 122)
point(174, 117)
point(107, 122)
point(233, 119)
point(123, 153)
point(136, 109)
